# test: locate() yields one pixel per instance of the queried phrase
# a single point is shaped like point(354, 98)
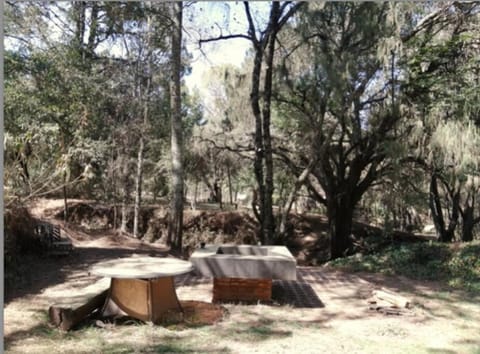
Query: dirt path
point(328, 314)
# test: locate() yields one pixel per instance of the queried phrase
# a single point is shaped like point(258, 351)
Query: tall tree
point(175, 229)
point(343, 126)
point(264, 42)
point(443, 89)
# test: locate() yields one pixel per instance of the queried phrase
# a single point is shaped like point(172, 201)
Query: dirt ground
point(324, 311)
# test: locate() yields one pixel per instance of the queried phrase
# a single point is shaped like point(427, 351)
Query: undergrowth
point(456, 265)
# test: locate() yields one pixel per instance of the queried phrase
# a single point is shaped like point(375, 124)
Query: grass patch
point(456, 265)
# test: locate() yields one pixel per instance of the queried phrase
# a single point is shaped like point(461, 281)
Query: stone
point(244, 261)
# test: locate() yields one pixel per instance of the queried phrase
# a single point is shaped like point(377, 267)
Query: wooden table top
point(139, 267)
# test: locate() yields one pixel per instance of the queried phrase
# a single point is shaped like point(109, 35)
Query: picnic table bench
point(50, 237)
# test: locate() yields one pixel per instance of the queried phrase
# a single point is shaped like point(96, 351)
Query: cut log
point(394, 299)
point(67, 318)
point(388, 310)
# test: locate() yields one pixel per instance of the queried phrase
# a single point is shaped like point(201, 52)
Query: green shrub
point(457, 265)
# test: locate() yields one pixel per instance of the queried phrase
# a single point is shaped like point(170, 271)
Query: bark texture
point(176, 215)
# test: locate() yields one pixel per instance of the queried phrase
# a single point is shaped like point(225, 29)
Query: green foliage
point(70, 105)
point(458, 266)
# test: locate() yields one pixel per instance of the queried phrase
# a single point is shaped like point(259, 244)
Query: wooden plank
point(131, 296)
point(67, 318)
point(394, 299)
point(163, 298)
point(241, 289)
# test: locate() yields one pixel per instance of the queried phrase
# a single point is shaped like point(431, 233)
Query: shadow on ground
point(295, 293)
point(39, 272)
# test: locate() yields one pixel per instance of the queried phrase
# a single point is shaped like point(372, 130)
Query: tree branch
point(224, 37)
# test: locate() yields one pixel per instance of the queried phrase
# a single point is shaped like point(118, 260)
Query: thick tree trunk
point(340, 220)
point(467, 225)
point(217, 194)
point(444, 234)
point(176, 218)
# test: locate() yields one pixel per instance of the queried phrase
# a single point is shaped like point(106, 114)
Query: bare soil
point(325, 311)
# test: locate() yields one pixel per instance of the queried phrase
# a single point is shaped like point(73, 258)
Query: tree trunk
point(143, 129)
point(445, 234)
point(468, 223)
point(291, 198)
point(138, 188)
point(176, 217)
point(259, 149)
point(93, 29)
point(217, 187)
point(286, 210)
point(79, 9)
point(195, 193)
point(123, 223)
point(65, 202)
point(436, 208)
point(125, 195)
point(263, 161)
point(229, 179)
point(269, 221)
point(340, 220)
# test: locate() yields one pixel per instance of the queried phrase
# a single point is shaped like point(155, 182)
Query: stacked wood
point(65, 318)
point(241, 290)
point(389, 303)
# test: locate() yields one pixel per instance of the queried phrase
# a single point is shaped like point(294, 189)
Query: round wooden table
point(141, 287)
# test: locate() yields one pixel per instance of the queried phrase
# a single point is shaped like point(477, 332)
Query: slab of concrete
point(244, 261)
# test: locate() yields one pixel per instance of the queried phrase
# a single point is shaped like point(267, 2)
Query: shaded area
point(256, 331)
point(178, 348)
point(454, 264)
point(39, 272)
point(295, 293)
point(195, 314)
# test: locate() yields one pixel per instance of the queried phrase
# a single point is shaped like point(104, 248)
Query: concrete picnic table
point(141, 287)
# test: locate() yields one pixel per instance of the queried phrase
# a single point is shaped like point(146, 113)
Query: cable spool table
point(141, 287)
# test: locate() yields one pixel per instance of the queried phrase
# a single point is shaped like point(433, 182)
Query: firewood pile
point(389, 303)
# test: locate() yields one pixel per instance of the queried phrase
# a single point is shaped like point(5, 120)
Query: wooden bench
point(50, 237)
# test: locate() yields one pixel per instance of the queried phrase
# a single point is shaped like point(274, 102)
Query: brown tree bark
point(468, 217)
point(340, 218)
point(264, 48)
point(260, 102)
point(141, 147)
point(445, 234)
point(176, 216)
